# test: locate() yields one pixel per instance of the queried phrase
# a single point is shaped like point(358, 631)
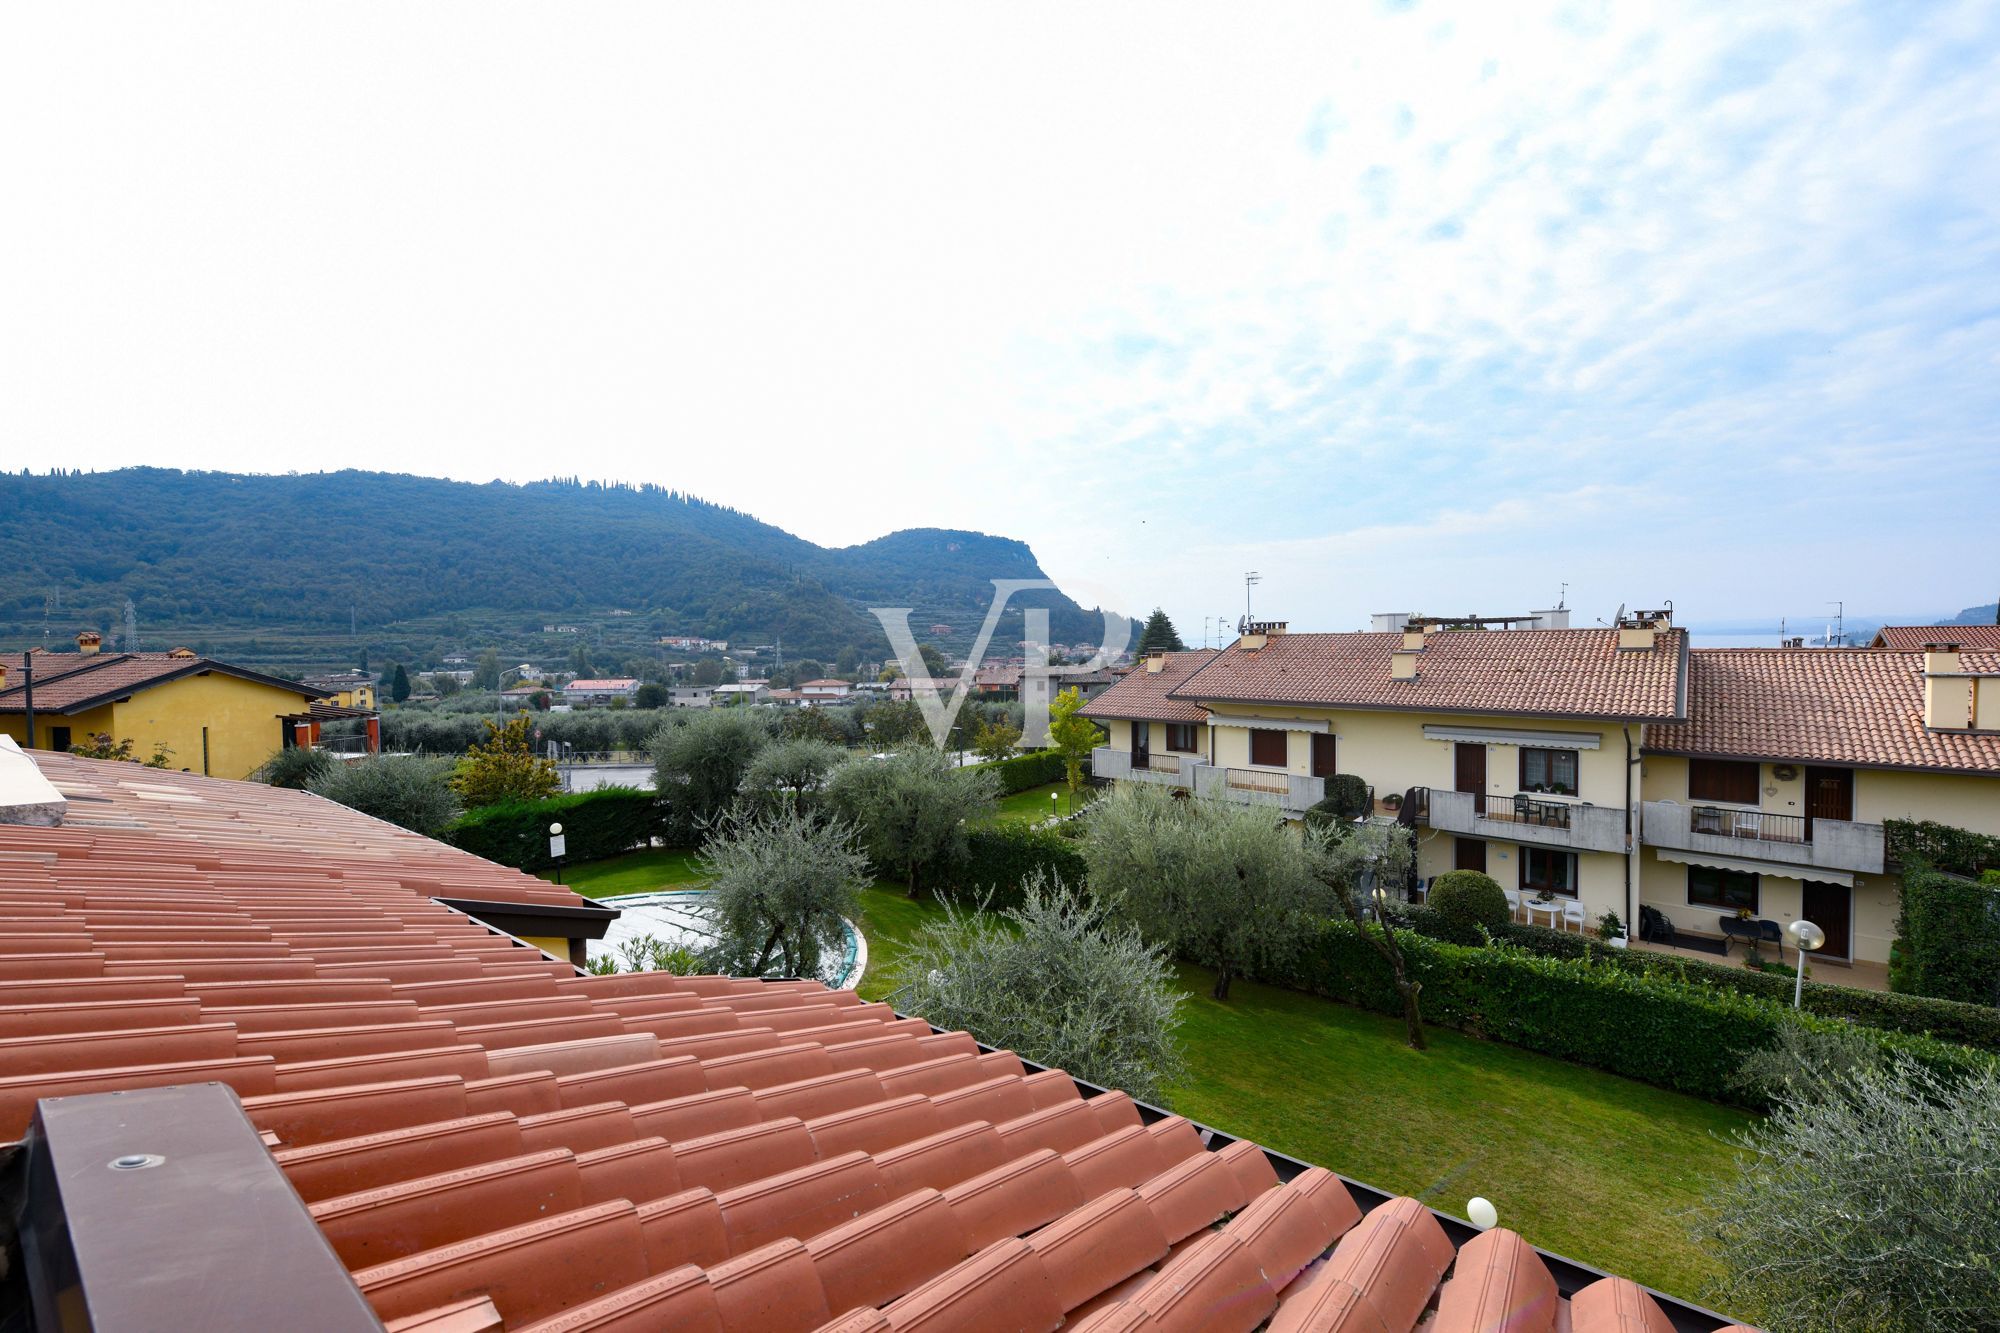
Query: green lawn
point(634, 872)
point(1587, 1164)
point(1033, 804)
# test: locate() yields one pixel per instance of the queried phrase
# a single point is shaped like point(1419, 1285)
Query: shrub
point(789, 772)
point(1928, 843)
point(1054, 980)
point(596, 824)
point(1689, 1038)
point(1346, 800)
point(1872, 1201)
point(1000, 858)
point(504, 767)
point(1466, 901)
point(699, 762)
point(296, 767)
point(1948, 1020)
point(409, 791)
point(1950, 932)
point(1026, 771)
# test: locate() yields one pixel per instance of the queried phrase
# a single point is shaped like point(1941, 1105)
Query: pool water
point(678, 916)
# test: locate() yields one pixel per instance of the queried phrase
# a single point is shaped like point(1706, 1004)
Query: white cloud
point(1166, 291)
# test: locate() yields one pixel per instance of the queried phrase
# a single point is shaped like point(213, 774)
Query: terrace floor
point(1861, 976)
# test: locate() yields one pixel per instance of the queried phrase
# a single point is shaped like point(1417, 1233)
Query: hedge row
point(1929, 843)
point(596, 824)
point(999, 857)
point(1950, 1020)
point(1949, 936)
point(1036, 769)
point(1688, 1038)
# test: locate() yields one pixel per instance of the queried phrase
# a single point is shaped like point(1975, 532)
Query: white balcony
point(1166, 769)
point(1293, 792)
point(1576, 825)
point(1827, 844)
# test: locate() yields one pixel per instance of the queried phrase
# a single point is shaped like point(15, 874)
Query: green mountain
point(1988, 614)
point(309, 568)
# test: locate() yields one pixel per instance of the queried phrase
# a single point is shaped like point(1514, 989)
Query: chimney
point(1414, 635)
point(1640, 631)
point(1403, 664)
point(1257, 633)
point(181, 653)
point(1155, 662)
point(1951, 696)
point(3, 675)
point(88, 642)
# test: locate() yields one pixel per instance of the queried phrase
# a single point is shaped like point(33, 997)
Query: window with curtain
point(1725, 890)
point(1546, 870)
point(1183, 737)
point(1548, 771)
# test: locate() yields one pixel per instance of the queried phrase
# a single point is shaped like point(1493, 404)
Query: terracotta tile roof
point(1142, 694)
point(68, 681)
point(608, 683)
point(487, 1139)
point(1533, 672)
point(1910, 638)
point(1821, 705)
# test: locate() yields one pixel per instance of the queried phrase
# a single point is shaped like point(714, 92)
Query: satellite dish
point(1619, 619)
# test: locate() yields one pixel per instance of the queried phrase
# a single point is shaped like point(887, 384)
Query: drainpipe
point(28, 692)
point(1631, 841)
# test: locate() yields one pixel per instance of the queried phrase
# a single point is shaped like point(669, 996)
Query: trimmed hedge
point(1688, 1038)
point(998, 857)
point(1925, 842)
point(1949, 1020)
point(596, 824)
point(1467, 901)
point(1949, 931)
point(1036, 769)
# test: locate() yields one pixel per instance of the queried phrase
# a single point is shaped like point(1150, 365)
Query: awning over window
point(1273, 723)
point(1749, 867)
point(1554, 740)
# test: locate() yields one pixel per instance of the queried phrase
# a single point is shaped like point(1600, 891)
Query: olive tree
point(409, 791)
point(780, 885)
point(1055, 980)
point(1355, 866)
point(911, 807)
point(1230, 887)
point(296, 766)
point(1869, 1199)
point(790, 772)
point(699, 762)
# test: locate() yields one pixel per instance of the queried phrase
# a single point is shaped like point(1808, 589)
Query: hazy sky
point(1406, 306)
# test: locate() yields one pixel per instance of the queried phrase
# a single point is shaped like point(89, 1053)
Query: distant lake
point(1736, 639)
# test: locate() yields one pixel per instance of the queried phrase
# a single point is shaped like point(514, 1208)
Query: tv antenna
point(1250, 580)
point(1562, 602)
point(1840, 624)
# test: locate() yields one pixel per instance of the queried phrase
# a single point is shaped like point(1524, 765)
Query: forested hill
point(218, 555)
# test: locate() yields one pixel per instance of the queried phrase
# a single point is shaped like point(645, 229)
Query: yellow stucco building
point(213, 718)
point(1613, 770)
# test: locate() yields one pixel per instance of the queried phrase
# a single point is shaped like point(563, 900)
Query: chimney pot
point(89, 641)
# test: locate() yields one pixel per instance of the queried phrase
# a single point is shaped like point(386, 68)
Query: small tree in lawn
point(1071, 736)
point(1870, 1200)
point(790, 773)
point(995, 738)
point(1056, 981)
point(699, 761)
point(1159, 636)
point(504, 767)
point(780, 884)
point(1225, 886)
point(1369, 858)
point(911, 807)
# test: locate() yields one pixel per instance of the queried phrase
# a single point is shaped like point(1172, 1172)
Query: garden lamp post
point(1806, 937)
point(1054, 813)
point(557, 846)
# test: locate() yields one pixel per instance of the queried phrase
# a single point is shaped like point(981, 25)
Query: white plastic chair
point(1573, 914)
point(1749, 825)
point(1513, 902)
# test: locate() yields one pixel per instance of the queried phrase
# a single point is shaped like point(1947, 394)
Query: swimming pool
point(678, 916)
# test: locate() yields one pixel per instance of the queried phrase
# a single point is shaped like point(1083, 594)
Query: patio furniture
point(1573, 914)
point(1749, 824)
point(1553, 909)
point(1655, 925)
point(1754, 932)
point(1706, 819)
point(1513, 902)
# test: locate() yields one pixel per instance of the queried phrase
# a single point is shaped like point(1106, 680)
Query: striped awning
point(1715, 861)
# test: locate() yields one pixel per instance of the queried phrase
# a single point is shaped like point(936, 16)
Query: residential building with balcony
point(1515, 751)
point(1772, 794)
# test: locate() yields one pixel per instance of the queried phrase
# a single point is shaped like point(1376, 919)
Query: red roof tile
point(1143, 695)
point(859, 1172)
point(1532, 673)
point(1912, 638)
point(1821, 705)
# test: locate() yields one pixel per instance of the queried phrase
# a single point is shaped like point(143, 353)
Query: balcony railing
point(1172, 770)
point(1259, 786)
point(1828, 844)
point(1578, 825)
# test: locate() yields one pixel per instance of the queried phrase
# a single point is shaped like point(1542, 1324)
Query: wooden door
point(1830, 907)
point(1468, 854)
point(1322, 755)
point(1142, 736)
point(1829, 795)
point(1468, 768)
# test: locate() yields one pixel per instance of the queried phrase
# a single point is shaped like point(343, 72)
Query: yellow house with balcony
point(213, 718)
point(1512, 752)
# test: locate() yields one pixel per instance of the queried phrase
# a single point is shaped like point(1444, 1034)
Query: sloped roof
point(1531, 672)
point(1144, 695)
point(611, 683)
point(68, 682)
point(1913, 637)
point(484, 1136)
point(1821, 705)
